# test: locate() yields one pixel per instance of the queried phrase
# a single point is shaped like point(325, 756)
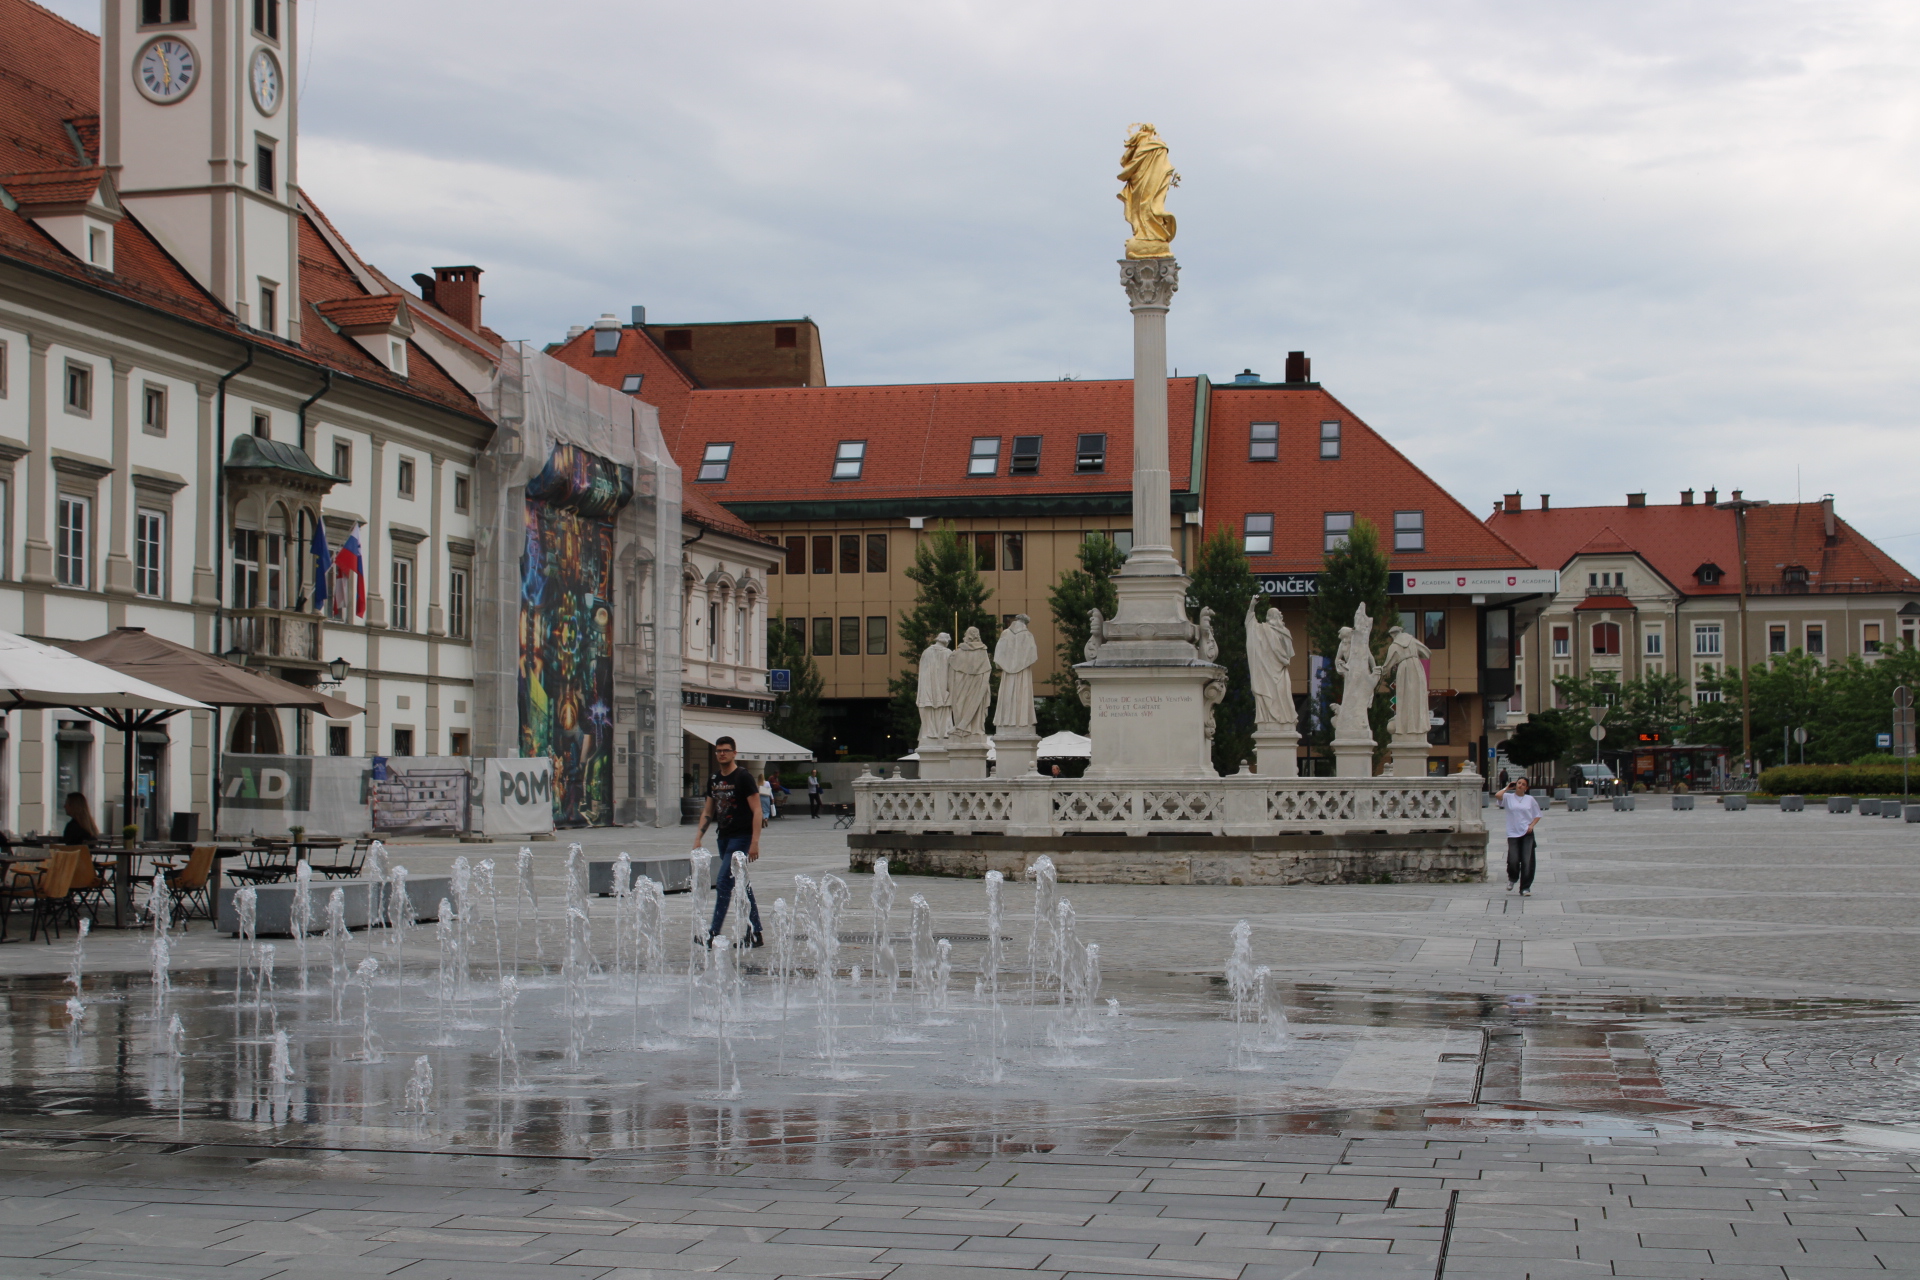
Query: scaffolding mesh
point(571, 604)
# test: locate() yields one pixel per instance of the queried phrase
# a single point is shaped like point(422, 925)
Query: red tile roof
point(49, 74)
point(1370, 478)
point(349, 313)
point(701, 509)
point(53, 186)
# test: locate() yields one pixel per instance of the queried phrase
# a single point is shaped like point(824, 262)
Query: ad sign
point(519, 796)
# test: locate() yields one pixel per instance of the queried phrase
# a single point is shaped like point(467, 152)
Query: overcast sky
point(1569, 248)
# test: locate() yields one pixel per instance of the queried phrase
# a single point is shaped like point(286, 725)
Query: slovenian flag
point(322, 560)
point(349, 561)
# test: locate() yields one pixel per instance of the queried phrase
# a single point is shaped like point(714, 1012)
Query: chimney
point(1299, 368)
point(1546, 501)
point(1826, 512)
point(1512, 502)
point(574, 331)
point(1736, 495)
point(1713, 496)
point(639, 317)
point(1686, 497)
point(1636, 499)
point(456, 291)
point(425, 282)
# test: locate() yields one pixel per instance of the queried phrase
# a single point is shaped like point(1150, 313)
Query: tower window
point(269, 308)
point(266, 18)
point(786, 335)
point(263, 175)
point(155, 12)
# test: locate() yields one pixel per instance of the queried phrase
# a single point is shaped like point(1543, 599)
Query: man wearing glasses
point(733, 807)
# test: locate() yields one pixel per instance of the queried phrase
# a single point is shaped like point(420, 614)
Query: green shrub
point(1832, 780)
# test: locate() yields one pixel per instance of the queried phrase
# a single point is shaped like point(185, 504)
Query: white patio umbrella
point(1059, 746)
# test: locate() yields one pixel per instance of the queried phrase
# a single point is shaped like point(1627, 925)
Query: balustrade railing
point(275, 634)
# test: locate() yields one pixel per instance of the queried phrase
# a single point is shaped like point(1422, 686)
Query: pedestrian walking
point(766, 799)
point(732, 808)
point(1523, 815)
point(813, 794)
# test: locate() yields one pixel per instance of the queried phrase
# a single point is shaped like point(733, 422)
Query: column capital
point(1150, 282)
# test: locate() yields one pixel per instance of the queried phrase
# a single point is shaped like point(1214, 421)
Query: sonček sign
point(1439, 582)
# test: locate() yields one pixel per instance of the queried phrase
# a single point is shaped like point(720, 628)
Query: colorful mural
point(566, 628)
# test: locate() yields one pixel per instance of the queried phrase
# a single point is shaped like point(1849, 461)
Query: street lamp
point(1740, 506)
point(338, 670)
point(236, 655)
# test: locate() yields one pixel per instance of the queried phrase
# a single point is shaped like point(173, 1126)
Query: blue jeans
point(723, 884)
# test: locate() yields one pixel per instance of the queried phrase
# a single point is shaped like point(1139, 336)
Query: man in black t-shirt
point(733, 807)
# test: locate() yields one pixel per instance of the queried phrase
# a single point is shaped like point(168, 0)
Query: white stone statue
point(1015, 654)
point(1096, 634)
point(970, 676)
point(1406, 659)
point(1208, 645)
point(933, 696)
point(1354, 660)
point(1269, 655)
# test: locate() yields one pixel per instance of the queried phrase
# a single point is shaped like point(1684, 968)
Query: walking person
point(1523, 815)
point(813, 794)
point(766, 799)
point(733, 808)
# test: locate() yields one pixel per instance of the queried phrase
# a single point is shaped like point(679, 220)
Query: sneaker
point(1526, 893)
point(756, 941)
point(1510, 885)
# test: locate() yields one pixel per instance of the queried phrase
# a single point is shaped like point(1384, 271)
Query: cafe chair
point(346, 863)
point(91, 883)
point(52, 890)
point(188, 886)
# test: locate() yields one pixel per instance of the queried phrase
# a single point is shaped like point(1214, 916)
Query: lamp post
point(236, 655)
point(338, 669)
point(1740, 506)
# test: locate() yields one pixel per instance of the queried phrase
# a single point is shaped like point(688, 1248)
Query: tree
point(951, 599)
point(1078, 590)
point(1223, 581)
point(1353, 574)
point(1546, 737)
point(796, 713)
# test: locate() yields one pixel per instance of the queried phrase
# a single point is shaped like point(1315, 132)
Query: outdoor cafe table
point(123, 859)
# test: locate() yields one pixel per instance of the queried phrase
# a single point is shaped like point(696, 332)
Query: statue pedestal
point(933, 759)
point(1014, 752)
point(1352, 758)
point(1149, 720)
point(967, 757)
point(1409, 755)
point(1276, 752)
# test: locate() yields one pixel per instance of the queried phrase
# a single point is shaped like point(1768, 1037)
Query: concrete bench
point(1623, 804)
point(273, 904)
point(1870, 807)
point(1892, 809)
point(1913, 812)
point(674, 875)
point(1577, 804)
point(1793, 804)
point(1733, 803)
point(1839, 804)
point(1683, 802)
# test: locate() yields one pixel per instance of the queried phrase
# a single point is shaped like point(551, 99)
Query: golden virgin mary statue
point(1146, 171)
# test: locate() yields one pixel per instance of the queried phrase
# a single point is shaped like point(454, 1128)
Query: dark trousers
point(1520, 860)
point(813, 804)
point(723, 884)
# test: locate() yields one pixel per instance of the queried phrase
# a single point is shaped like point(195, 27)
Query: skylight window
point(1090, 454)
point(1026, 456)
point(985, 458)
point(850, 459)
point(631, 383)
point(715, 461)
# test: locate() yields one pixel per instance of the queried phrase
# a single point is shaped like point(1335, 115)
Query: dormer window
point(850, 459)
point(397, 357)
point(96, 247)
point(1795, 576)
point(1709, 575)
point(154, 13)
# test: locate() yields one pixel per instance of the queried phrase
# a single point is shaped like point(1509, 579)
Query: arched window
point(1606, 639)
point(256, 731)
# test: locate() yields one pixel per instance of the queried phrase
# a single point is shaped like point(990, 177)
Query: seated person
point(80, 827)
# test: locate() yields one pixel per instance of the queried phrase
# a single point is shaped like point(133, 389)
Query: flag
point(322, 561)
point(348, 560)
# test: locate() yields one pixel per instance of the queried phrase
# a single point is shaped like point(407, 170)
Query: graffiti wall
point(566, 628)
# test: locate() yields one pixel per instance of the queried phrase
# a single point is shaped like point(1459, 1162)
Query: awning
point(1063, 745)
point(751, 743)
point(213, 680)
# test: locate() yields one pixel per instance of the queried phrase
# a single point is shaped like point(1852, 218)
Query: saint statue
point(1096, 634)
point(970, 676)
point(1146, 172)
point(1269, 654)
point(1406, 662)
point(1354, 660)
point(932, 696)
point(1015, 655)
point(1208, 645)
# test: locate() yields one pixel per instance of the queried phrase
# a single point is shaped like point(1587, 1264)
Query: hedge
point(1833, 780)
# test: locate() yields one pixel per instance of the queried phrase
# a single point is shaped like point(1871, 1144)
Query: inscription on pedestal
point(1139, 706)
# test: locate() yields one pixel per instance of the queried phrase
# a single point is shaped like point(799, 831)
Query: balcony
point(275, 635)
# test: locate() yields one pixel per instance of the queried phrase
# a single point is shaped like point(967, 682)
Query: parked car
point(1598, 776)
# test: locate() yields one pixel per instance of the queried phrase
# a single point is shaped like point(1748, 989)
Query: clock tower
point(197, 123)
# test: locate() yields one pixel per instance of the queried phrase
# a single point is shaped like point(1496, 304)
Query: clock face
point(167, 69)
point(264, 76)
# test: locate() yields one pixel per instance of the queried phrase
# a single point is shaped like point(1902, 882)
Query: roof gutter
point(307, 404)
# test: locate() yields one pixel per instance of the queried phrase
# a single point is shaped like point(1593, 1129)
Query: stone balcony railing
point(1241, 805)
point(276, 635)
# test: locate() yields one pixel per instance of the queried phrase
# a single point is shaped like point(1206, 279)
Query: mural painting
point(566, 629)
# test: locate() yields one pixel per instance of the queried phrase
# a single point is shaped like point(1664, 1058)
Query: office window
point(1433, 629)
point(1706, 639)
point(79, 387)
point(876, 553)
point(1013, 547)
point(339, 740)
point(849, 553)
point(1122, 541)
point(786, 336)
point(1334, 529)
point(402, 594)
point(1869, 637)
point(403, 742)
point(630, 383)
point(715, 461)
point(983, 549)
point(263, 168)
point(1706, 695)
point(849, 459)
point(153, 409)
point(1263, 442)
point(1816, 638)
point(1329, 439)
point(984, 460)
point(1606, 639)
point(1026, 456)
point(1655, 642)
point(877, 634)
point(797, 628)
point(266, 22)
point(822, 637)
point(269, 309)
point(1562, 642)
point(462, 494)
point(150, 553)
point(405, 474)
point(850, 637)
point(263, 424)
point(1090, 454)
point(796, 554)
point(823, 553)
point(457, 604)
point(1776, 637)
point(73, 526)
point(1259, 535)
point(1409, 531)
